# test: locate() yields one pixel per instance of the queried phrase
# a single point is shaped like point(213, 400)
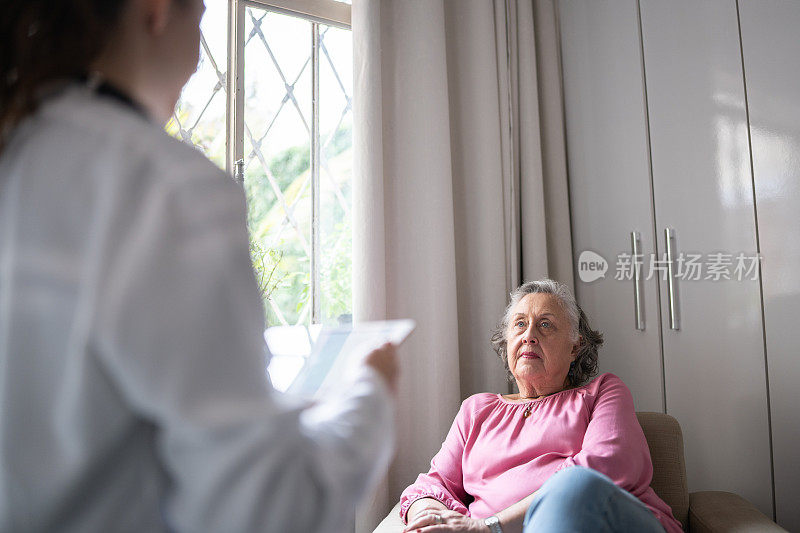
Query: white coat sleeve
point(179, 330)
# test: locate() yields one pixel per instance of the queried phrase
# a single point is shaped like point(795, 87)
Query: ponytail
point(44, 41)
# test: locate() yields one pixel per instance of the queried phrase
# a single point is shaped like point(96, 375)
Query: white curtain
point(459, 194)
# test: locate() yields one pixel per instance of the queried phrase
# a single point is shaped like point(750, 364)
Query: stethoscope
point(97, 84)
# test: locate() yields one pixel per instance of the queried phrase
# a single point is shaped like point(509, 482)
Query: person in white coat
point(133, 391)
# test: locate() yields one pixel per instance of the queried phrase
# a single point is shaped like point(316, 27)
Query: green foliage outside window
point(288, 270)
point(277, 155)
point(282, 267)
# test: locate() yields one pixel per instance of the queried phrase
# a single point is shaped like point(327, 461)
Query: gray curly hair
point(585, 364)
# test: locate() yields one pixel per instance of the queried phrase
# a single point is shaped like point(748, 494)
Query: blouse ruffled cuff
point(435, 493)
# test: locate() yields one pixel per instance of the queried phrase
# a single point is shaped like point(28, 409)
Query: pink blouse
point(493, 456)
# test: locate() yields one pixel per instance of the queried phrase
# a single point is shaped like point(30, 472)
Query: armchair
point(698, 512)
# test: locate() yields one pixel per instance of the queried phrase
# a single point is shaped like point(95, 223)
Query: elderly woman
point(565, 454)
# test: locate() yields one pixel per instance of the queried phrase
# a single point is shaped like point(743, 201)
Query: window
point(282, 125)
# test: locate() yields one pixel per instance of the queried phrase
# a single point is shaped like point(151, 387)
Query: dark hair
point(585, 364)
point(44, 41)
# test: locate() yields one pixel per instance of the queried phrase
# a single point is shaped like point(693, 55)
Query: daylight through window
point(288, 124)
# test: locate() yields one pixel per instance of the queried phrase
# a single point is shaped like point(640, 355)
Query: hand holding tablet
point(384, 361)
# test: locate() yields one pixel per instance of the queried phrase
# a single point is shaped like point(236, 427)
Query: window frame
point(327, 12)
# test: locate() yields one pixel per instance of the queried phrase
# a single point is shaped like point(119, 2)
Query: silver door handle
point(669, 237)
point(637, 281)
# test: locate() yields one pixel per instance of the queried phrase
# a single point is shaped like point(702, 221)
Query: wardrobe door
point(609, 175)
point(714, 365)
point(772, 69)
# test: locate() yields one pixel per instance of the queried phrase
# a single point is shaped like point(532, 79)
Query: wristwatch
point(494, 524)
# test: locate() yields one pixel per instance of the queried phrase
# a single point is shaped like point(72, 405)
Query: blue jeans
point(579, 499)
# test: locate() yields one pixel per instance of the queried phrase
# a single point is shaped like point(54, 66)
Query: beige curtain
point(460, 193)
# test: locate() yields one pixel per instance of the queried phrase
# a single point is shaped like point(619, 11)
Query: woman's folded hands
point(441, 521)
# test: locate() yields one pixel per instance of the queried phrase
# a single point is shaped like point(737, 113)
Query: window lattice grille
point(297, 154)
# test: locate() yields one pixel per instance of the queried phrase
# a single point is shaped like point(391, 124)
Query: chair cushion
point(665, 440)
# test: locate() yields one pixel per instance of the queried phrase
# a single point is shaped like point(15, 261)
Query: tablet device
point(309, 360)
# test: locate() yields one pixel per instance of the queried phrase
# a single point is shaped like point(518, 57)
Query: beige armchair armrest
point(715, 512)
point(392, 522)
